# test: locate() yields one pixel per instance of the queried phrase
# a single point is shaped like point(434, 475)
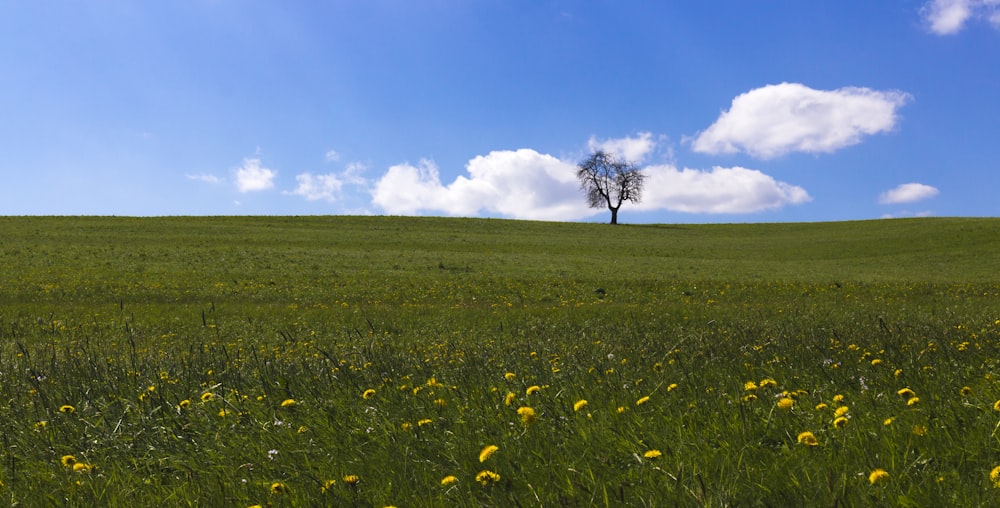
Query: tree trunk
point(614, 215)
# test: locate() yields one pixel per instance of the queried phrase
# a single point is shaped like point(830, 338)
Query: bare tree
point(609, 181)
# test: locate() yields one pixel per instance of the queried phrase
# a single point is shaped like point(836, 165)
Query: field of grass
point(376, 361)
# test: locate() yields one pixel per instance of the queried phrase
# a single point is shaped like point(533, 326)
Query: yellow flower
point(807, 438)
point(448, 480)
point(785, 403)
point(652, 454)
point(906, 393)
point(912, 400)
point(224, 412)
point(642, 401)
point(821, 406)
point(749, 397)
point(485, 477)
point(279, 488)
point(671, 387)
point(487, 451)
point(995, 476)
point(840, 422)
point(620, 410)
point(327, 485)
point(351, 479)
point(80, 467)
point(840, 411)
point(768, 382)
point(425, 421)
point(434, 383)
point(887, 421)
point(406, 426)
point(67, 409)
point(877, 475)
point(580, 404)
point(288, 403)
point(966, 391)
point(919, 430)
point(369, 393)
point(509, 377)
point(184, 404)
point(207, 396)
point(509, 398)
point(897, 373)
point(532, 389)
point(68, 460)
point(440, 402)
point(749, 386)
point(996, 406)
point(838, 398)
point(876, 362)
point(527, 415)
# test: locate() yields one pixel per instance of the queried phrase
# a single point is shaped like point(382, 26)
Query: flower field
point(375, 361)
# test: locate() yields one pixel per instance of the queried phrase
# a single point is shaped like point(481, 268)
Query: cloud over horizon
point(774, 120)
point(907, 193)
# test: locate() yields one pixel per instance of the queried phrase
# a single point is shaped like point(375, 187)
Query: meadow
point(390, 361)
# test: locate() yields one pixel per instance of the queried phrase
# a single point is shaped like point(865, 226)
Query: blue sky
point(737, 111)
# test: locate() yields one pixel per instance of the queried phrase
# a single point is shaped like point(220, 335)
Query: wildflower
point(888, 421)
point(425, 421)
point(897, 373)
point(840, 422)
point(821, 406)
point(351, 479)
point(184, 404)
point(906, 393)
point(840, 411)
point(671, 387)
point(406, 426)
point(485, 477)
point(620, 410)
point(68, 460)
point(785, 403)
point(369, 393)
point(996, 406)
point(876, 362)
point(912, 400)
point(434, 383)
point(487, 451)
point(807, 438)
point(40, 425)
point(580, 404)
point(448, 480)
point(877, 475)
point(532, 389)
point(919, 430)
point(207, 396)
point(995, 476)
point(966, 391)
point(652, 454)
point(224, 412)
point(288, 403)
point(279, 488)
point(838, 398)
point(768, 382)
point(509, 377)
point(749, 386)
point(642, 400)
point(327, 485)
point(68, 409)
point(509, 398)
point(81, 467)
point(527, 415)
point(749, 397)
point(440, 402)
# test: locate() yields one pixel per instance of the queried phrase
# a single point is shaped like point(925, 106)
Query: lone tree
point(609, 182)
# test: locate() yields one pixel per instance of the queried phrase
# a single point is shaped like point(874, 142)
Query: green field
point(368, 361)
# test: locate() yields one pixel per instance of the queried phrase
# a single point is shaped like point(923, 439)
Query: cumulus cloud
point(316, 187)
point(907, 193)
point(946, 17)
point(525, 184)
point(251, 176)
point(773, 120)
point(632, 149)
point(721, 190)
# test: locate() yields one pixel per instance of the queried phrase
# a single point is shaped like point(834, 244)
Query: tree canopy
point(609, 181)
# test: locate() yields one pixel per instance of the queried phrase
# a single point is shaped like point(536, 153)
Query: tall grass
point(369, 362)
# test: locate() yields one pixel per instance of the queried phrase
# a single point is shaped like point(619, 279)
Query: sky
point(778, 111)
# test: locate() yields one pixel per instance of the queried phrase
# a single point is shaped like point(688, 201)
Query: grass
point(248, 360)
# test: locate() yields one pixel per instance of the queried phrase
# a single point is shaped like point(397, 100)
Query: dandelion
point(620, 410)
point(671, 387)
point(840, 411)
point(81, 467)
point(580, 404)
point(224, 412)
point(897, 373)
point(207, 396)
point(652, 454)
point(40, 425)
point(838, 398)
point(995, 476)
point(369, 393)
point(906, 393)
point(912, 401)
point(532, 389)
point(68, 409)
point(509, 377)
point(821, 406)
point(288, 403)
point(966, 391)
point(749, 397)
point(351, 479)
point(749, 386)
point(487, 451)
point(642, 401)
point(919, 430)
point(876, 362)
point(434, 383)
point(840, 422)
point(279, 488)
point(406, 426)
point(485, 477)
point(448, 480)
point(527, 415)
point(807, 438)
point(509, 398)
point(877, 475)
point(327, 486)
point(785, 403)
point(184, 404)
point(768, 383)
point(68, 460)
point(996, 406)
point(425, 421)
point(888, 421)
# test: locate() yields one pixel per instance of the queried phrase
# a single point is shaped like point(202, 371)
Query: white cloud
point(774, 120)
point(316, 187)
point(205, 177)
point(721, 190)
point(907, 193)
point(252, 177)
point(946, 17)
point(331, 156)
point(526, 184)
point(632, 149)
